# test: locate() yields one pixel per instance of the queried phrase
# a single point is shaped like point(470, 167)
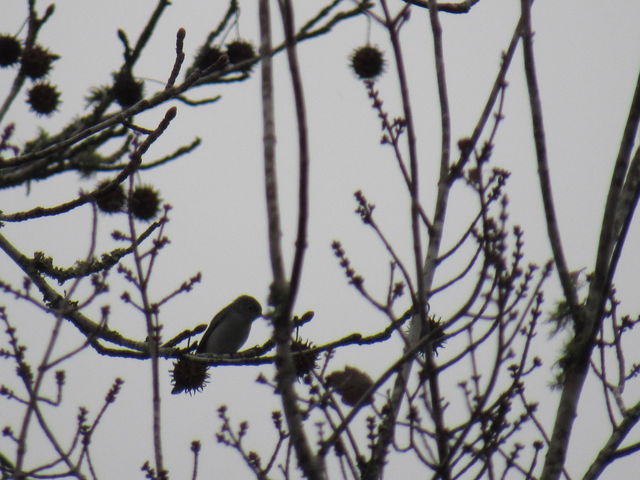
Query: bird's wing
point(212, 326)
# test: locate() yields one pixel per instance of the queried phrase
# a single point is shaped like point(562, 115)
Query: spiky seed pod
point(43, 98)
point(188, 376)
point(239, 51)
point(351, 384)
point(144, 203)
point(126, 90)
point(36, 62)
point(367, 62)
point(436, 333)
point(305, 361)
point(111, 200)
point(10, 49)
point(208, 56)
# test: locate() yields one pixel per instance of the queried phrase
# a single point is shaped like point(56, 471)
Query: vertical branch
point(581, 346)
point(611, 213)
point(541, 156)
point(433, 249)
point(283, 296)
point(269, 146)
point(387, 428)
point(153, 328)
point(425, 273)
point(618, 214)
point(445, 115)
point(576, 372)
point(629, 197)
point(153, 335)
point(621, 201)
point(303, 147)
point(414, 190)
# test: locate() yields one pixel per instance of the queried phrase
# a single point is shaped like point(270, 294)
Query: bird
point(226, 333)
point(230, 327)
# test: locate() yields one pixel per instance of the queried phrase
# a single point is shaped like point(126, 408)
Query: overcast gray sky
point(587, 55)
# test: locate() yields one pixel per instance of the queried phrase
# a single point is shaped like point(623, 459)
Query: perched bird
point(227, 332)
point(230, 328)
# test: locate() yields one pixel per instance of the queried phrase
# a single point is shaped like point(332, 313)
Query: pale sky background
point(587, 54)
